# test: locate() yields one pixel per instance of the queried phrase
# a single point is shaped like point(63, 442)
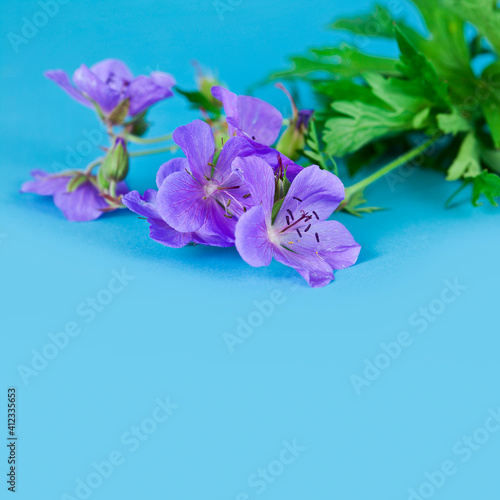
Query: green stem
point(151, 140)
point(93, 164)
point(112, 188)
point(166, 149)
point(398, 162)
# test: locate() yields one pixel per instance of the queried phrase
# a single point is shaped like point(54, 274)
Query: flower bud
point(115, 165)
point(293, 139)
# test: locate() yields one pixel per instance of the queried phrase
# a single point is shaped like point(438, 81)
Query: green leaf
point(347, 90)
point(315, 153)
point(488, 185)
point(484, 14)
point(276, 209)
point(379, 23)
point(361, 125)
point(452, 123)
point(447, 44)
point(488, 90)
point(491, 158)
point(199, 100)
point(421, 71)
point(344, 61)
point(354, 205)
point(467, 163)
point(118, 115)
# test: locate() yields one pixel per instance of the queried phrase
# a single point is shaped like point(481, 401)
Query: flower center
point(211, 187)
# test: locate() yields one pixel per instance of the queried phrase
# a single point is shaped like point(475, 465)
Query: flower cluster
point(121, 102)
point(246, 193)
point(237, 184)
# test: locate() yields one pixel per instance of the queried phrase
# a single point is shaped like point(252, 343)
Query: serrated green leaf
point(421, 72)
point(361, 125)
point(347, 90)
point(354, 205)
point(486, 184)
point(344, 61)
point(484, 14)
point(452, 123)
point(379, 23)
point(467, 163)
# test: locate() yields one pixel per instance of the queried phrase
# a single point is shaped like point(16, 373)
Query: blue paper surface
point(194, 375)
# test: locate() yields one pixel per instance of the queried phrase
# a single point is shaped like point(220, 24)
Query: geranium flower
point(83, 203)
point(249, 116)
point(260, 123)
point(204, 195)
point(109, 82)
point(299, 236)
point(159, 230)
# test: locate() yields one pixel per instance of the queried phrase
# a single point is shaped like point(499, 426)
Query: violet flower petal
point(45, 184)
point(145, 205)
point(180, 202)
point(196, 140)
point(82, 204)
point(230, 103)
point(170, 167)
point(62, 80)
point(112, 68)
point(313, 190)
point(145, 91)
point(252, 238)
point(338, 247)
point(96, 89)
point(232, 148)
point(259, 120)
point(258, 177)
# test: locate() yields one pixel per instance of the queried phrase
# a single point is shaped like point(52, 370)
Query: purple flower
point(159, 230)
point(250, 117)
point(81, 204)
point(299, 236)
point(204, 195)
point(258, 122)
point(109, 82)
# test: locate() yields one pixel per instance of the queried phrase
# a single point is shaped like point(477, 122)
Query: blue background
point(162, 336)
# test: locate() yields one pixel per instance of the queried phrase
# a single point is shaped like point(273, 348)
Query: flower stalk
point(398, 162)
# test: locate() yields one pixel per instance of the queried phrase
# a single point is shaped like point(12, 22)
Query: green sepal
point(101, 180)
point(75, 183)
point(139, 125)
point(276, 209)
point(118, 115)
